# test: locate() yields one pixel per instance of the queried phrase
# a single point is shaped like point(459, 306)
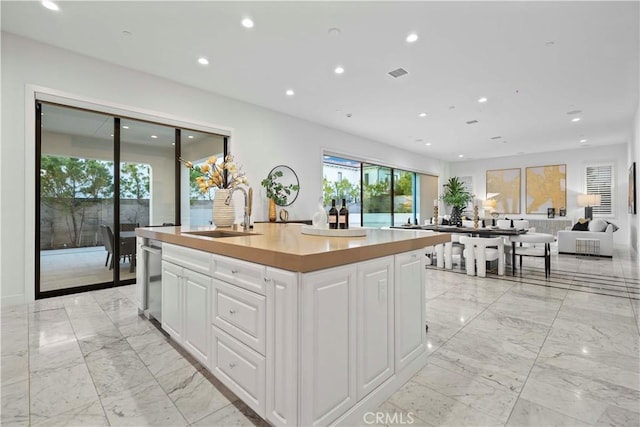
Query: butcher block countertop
point(284, 246)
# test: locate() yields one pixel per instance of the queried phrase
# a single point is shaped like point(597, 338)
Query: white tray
point(348, 232)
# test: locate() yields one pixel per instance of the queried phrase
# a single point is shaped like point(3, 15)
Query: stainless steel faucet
point(248, 203)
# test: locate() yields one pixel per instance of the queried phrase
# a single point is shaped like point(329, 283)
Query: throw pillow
point(615, 227)
point(581, 226)
point(598, 225)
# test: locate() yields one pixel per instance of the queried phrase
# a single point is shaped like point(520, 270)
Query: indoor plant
point(277, 193)
point(457, 196)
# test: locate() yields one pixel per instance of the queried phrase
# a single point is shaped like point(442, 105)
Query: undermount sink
point(217, 234)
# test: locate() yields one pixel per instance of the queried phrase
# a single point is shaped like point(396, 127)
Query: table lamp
point(588, 201)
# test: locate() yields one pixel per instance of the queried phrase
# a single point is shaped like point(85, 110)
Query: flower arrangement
point(223, 175)
point(275, 190)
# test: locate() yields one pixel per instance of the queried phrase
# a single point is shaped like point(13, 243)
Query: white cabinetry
point(299, 349)
point(410, 337)
point(328, 344)
point(172, 300)
point(185, 308)
point(282, 347)
point(375, 324)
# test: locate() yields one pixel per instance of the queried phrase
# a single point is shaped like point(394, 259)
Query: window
point(599, 180)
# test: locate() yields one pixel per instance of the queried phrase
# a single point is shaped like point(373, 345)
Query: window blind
point(599, 180)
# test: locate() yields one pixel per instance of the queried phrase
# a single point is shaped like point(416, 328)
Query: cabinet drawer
point(239, 368)
point(192, 259)
point(240, 273)
point(240, 313)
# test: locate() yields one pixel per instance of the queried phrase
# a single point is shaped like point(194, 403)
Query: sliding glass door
point(100, 177)
point(76, 191)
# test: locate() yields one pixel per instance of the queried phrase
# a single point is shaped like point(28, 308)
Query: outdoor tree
point(134, 181)
point(134, 184)
point(70, 185)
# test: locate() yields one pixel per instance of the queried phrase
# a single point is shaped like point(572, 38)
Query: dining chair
point(127, 247)
point(530, 249)
point(479, 250)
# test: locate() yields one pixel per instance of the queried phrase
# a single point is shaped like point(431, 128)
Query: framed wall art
point(546, 187)
point(503, 186)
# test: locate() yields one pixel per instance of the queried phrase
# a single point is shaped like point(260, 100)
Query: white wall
point(261, 139)
point(576, 160)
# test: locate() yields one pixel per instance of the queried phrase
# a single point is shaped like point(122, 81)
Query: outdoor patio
point(69, 268)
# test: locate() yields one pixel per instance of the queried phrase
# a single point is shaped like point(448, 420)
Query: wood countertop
point(284, 246)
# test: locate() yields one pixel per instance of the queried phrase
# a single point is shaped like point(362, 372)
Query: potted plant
point(277, 193)
point(457, 196)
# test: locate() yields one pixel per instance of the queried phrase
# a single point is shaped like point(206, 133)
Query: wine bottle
point(333, 215)
point(343, 216)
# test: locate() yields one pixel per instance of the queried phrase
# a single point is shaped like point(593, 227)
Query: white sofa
point(567, 239)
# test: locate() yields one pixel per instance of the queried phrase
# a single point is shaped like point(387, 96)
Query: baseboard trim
point(10, 300)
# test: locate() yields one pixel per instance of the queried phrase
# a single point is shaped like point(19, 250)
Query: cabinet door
point(196, 309)
point(328, 344)
point(172, 300)
point(282, 345)
point(410, 307)
point(375, 324)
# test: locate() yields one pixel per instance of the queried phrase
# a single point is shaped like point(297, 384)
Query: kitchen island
point(306, 330)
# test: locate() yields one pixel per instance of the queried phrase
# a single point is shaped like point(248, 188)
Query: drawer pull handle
point(232, 365)
point(234, 271)
point(232, 311)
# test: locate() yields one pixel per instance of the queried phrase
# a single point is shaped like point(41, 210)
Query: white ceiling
point(500, 50)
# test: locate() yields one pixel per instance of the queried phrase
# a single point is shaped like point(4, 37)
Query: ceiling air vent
point(572, 112)
point(496, 137)
point(398, 73)
point(472, 122)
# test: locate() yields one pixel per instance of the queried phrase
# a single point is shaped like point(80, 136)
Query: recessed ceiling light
point(334, 31)
point(111, 134)
point(290, 92)
point(422, 115)
point(427, 144)
point(190, 137)
point(549, 43)
point(154, 136)
point(125, 127)
point(127, 33)
point(203, 61)
point(412, 38)
point(338, 70)
point(460, 155)
point(247, 23)
point(50, 5)
point(583, 140)
point(483, 99)
point(575, 119)
point(173, 143)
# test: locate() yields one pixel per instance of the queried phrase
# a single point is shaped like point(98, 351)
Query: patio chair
point(127, 247)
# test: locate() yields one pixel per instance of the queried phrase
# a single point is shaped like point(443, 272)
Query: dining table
point(489, 231)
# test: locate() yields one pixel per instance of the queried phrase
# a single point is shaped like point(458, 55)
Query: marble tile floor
point(501, 352)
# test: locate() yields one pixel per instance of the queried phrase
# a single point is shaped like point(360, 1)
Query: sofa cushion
point(581, 226)
point(598, 225)
point(615, 227)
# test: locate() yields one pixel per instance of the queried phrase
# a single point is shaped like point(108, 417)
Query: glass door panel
point(76, 198)
point(403, 197)
point(196, 147)
point(376, 195)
